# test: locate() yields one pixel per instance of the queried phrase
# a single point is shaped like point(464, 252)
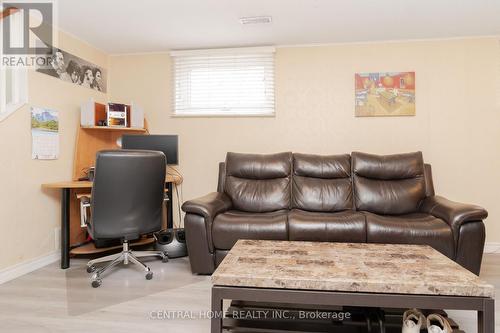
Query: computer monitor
point(168, 144)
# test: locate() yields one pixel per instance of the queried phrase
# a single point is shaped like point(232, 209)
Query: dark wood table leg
point(170, 205)
point(65, 228)
point(486, 318)
point(217, 316)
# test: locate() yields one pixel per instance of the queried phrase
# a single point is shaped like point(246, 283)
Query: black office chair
point(126, 202)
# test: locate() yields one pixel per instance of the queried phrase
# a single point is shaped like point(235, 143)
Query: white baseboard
point(26, 267)
point(492, 247)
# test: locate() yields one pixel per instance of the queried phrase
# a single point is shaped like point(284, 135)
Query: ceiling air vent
point(256, 20)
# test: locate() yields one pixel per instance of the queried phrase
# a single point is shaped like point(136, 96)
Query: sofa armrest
point(200, 214)
point(453, 213)
point(209, 205)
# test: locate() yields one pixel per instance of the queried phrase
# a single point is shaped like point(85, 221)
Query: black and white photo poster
point(71, 68)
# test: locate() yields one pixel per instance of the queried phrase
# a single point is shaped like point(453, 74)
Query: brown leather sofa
point(342, 198)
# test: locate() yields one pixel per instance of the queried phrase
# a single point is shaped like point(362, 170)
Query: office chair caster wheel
point(164, 258)
point(149, 275)
point(91, 269)
point(96, 283)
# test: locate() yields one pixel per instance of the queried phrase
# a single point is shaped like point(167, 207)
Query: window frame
point(498, 73)
point(218, 114)
point(19, 77)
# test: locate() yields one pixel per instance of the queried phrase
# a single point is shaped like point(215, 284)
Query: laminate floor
point(54, 300)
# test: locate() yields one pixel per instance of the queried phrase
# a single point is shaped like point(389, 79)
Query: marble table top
point(350, 267)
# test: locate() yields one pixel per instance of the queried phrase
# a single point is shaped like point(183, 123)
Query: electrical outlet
point(57, 238)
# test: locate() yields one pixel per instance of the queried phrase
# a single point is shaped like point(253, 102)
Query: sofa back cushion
point(322, 183)
point(390, 184)
point(258, 183)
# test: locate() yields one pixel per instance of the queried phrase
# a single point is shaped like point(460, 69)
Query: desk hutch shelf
point(119, 129)
point(92, 138)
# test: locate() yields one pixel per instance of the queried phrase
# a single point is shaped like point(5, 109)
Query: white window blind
point(224, 82)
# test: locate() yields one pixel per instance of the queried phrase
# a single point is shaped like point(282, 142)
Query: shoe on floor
point(413, 321)
point(437, 324)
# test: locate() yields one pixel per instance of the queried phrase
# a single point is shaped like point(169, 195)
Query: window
point(13, 81)
point(224, 82)
point(13, 94)
point(498, 75)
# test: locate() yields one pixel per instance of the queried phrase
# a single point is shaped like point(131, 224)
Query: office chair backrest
point(127, 194)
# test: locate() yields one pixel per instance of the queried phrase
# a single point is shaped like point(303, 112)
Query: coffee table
point(349, 274)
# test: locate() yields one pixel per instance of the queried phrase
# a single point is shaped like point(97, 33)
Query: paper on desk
point(44, 134)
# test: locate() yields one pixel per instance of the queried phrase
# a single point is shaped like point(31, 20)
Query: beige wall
point(456, 125)
point(28, 214)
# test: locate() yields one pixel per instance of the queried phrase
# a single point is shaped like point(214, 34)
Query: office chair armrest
point(209, 205)
point(85, 203)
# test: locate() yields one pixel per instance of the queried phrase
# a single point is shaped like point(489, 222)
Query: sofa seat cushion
point(344, 226)
point(233, 225)
point(415, 228)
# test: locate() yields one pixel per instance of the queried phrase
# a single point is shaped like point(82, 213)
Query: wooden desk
point(71, 232)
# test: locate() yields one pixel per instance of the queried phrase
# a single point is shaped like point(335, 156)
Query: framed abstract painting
point(384, 94)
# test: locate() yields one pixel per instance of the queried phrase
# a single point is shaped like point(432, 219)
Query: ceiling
point(127, 26)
